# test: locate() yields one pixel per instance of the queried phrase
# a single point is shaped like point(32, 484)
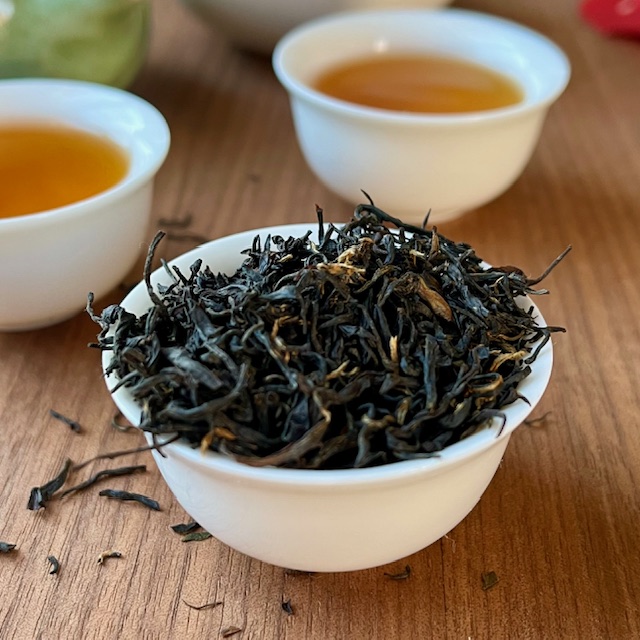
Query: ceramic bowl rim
point(304, 92)
point(452, 455)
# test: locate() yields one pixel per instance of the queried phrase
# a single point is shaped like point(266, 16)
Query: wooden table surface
point(559, 525)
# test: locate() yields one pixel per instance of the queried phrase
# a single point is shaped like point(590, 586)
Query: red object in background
point(615, 17)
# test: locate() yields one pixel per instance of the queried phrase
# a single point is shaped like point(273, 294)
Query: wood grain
point(559, 523)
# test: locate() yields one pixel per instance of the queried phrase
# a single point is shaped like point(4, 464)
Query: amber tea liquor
point(419, 83)
point(45, 166)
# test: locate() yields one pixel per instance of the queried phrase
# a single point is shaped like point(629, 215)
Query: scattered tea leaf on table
point(489, 580)
point(287, 607)
point(402, 575)
point(104, 473)
point(186, 527)
point(128, 496)
point(196, 536)
point(110, 455)
point(41, 495)
point(120, 423)
point(7, 547)
point(108, 554)
point(207, 605)
point(54, 565)
point(227, 632)
point(72, 424)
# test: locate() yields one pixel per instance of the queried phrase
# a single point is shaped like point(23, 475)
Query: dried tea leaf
point(403, 575)
point(227, 632)
point(104, 473)
point(299, 573)
point(208, 605)
point(7, 547)
point(108, 554)
point(41, 495)
point(186, 527)
point(55, 565)
point(489, 580)
point(120, 423)
point(133, 497)
point(110, 455)
point(287, 608)
point(72, 424)
point(196, 536)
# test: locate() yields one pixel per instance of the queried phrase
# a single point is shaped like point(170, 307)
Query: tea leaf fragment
point(54, 565)
point(108, 554)
point(128, 496)
point(41, 495)
point(196, 536)
point(489, 580)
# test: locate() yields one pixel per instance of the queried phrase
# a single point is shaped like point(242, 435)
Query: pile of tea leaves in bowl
point(376, 343)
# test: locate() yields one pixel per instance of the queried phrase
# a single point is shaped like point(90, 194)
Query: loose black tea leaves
point(402, 575)
point(287, 607)
point(108, 554)
point(41, 495)
point(196, 536)
point(127, 496)
point(369, 346)
point(72, 424)
point(104, 473)
point(54, 565)
point(208, 605)
point(489, 580)
point(7, 547)
point(227, 632)
point(184, 528)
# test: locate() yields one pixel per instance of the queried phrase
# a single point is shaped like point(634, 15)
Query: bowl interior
point(224, 255)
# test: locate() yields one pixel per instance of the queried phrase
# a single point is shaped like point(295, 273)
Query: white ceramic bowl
point(324, 520)
point(257, 25)
point(49, 261)
point(412, 163)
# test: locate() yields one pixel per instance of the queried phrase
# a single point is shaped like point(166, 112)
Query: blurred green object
point(101, 41)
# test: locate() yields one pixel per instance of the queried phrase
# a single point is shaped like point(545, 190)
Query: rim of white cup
point(304, 91)
point(153, 120)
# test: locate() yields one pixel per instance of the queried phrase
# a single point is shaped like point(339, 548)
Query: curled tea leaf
point(108, 554)
point(120, 423)
point(287, 607)
point(127, 496)
point(402, 575)
point(41, 495)
point(489, 580)
point(196, 536)
point(207, 605)
point(54, 565)
point(104, 473)
point(72, 424)
point(184, 528)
